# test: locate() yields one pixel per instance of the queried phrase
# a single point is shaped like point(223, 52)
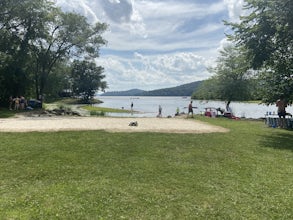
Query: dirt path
point(163, 125)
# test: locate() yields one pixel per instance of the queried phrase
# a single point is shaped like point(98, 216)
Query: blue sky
point(156, 44)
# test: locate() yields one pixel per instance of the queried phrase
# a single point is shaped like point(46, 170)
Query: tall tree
point(21, 22)
point(35, 36)
point(87, 79)
point(59, 81)
point(267, 33)
point(232, 78)
point(208, 90)
point(67, 35)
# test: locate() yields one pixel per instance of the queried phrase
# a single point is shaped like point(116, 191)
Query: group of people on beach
point(280, 103)
point(17, 103)
point(177, 113)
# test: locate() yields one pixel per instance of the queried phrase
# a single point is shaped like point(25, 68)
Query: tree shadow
point(282, 141)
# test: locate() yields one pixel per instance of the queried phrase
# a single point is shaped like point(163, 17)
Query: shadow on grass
point(5, 113)
point(282, 141)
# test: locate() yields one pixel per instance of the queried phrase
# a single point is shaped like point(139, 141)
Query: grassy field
point(244, 174)
point(95, 109)
point(6, 113)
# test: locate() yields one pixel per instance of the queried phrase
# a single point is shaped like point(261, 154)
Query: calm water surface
point(148, 106)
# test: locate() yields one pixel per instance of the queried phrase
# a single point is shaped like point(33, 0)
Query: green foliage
point(208, 90)
point(20, 25)
point(86, 79)
point(64, 107)
point(58, 81)
point(73, 101)
point(71, 36)
point(232, 79)
point(274, 85)
point(5, 113)
point(36, 37)
point(105, 110)
point(243, 174)
point(182, 90)
point(97, 113)
point(267, 33)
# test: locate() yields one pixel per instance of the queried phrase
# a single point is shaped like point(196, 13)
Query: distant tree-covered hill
point(132, 92)
point(182, 90)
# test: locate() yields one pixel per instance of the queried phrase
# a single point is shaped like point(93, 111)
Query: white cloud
point(81, 7)
point(138, 25)
point(234, 9)
point(153, 72)
point(224, 43)
point(157, 44)
point(177, 9)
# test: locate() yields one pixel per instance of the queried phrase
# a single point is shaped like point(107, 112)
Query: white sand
point(163, 125)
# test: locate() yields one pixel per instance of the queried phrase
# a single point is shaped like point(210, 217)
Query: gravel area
point(110, 124)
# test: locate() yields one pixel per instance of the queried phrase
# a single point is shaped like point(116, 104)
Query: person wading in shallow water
point(160, 111)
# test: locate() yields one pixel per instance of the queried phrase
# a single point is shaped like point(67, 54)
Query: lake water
point(148, 106)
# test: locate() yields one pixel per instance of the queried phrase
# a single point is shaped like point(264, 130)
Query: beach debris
point(133, 123)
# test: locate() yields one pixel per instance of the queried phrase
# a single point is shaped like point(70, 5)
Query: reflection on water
point(148, 106)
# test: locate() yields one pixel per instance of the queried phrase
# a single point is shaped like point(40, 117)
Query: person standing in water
point(177, 111)
point(160, 111)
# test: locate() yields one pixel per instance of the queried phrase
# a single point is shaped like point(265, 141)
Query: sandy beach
point(110, 124)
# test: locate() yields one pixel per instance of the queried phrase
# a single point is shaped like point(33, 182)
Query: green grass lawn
point(6, 113)
point(104, 109)
point(244, 174)
point(71, 101)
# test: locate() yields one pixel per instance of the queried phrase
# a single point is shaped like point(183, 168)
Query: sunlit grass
point(103, 109)
point(243, 174)
point(72, 101)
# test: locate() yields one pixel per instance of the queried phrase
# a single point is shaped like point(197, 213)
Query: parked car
point(34, 103)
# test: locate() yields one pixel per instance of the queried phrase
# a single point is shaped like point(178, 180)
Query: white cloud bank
point(158, 44)
point(157, 71)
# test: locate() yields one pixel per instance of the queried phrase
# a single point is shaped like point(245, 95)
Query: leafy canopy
point(267, 34)
point(87, 79)
point(36, 38)
point(232, 79)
